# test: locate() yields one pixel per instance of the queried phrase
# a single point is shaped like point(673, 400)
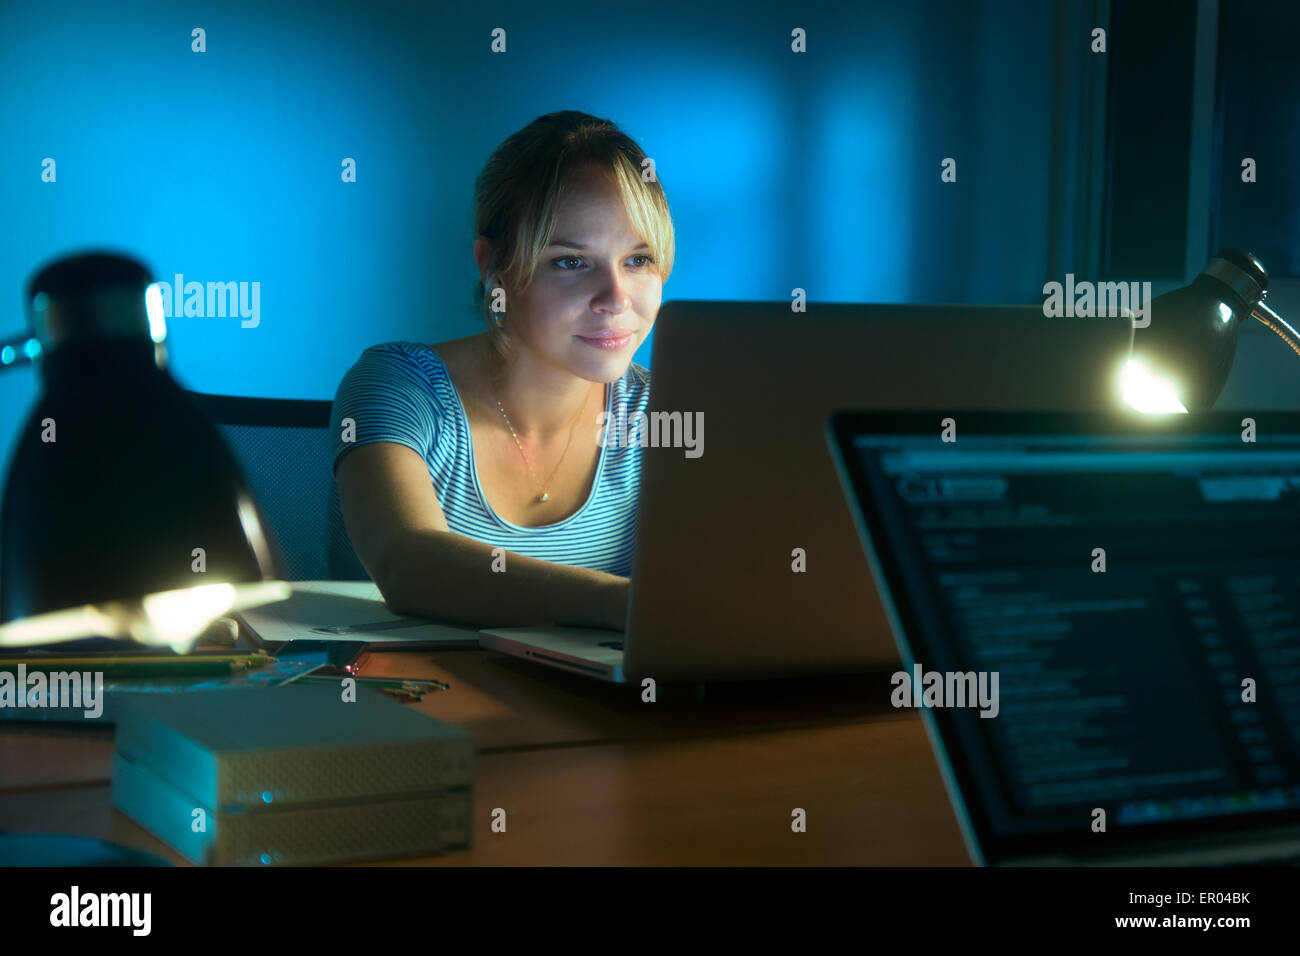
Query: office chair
point(284, 448)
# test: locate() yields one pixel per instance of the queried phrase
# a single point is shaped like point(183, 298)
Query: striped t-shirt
point(401, 392)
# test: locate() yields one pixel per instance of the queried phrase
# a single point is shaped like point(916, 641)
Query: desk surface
point(588, 774)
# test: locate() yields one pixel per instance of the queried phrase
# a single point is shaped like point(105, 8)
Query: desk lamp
point(125, 516)
point(1181, 360)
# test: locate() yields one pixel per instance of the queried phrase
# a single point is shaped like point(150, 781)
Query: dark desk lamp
point(124, 514)
point(1181, 360)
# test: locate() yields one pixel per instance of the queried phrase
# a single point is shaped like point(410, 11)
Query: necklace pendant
point(544, 497)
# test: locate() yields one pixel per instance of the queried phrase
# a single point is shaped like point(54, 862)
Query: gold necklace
point(545, 495)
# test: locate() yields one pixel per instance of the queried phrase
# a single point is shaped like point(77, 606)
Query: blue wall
point(818, 170)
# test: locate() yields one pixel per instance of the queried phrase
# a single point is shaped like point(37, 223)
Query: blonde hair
point(517, 197)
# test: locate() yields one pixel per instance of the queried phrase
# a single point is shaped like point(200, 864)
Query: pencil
point(48, 662)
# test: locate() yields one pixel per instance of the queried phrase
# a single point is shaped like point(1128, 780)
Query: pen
point(400, 694)
point(396, 682)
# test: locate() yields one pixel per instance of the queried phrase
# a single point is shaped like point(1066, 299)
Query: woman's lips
point(608, 343)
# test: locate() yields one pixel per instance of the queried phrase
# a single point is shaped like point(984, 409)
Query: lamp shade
point(1191, 340)
point(119, 486)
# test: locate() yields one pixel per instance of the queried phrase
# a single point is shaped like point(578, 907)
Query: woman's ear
point(482, 255)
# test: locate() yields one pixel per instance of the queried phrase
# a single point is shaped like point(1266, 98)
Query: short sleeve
point(385, 396)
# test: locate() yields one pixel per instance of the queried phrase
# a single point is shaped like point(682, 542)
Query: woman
point(473, 475)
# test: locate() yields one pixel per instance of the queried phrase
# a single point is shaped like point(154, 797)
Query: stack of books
point(292, 775)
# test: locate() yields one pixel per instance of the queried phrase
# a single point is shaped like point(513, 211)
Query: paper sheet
point(352, 604)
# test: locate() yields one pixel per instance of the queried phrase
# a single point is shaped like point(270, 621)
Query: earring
point(498, 318)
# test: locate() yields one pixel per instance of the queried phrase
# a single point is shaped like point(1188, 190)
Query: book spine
point(359, 773)
point(425, 826)
point(148, 741)
point(163, 810)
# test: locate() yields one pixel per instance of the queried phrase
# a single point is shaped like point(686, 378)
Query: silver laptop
point(714, 593)
point(1082, 717)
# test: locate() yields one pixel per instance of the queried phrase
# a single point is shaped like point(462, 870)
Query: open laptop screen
point(1119, 596)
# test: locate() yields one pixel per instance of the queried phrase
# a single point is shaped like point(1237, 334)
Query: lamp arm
point(1278, 324)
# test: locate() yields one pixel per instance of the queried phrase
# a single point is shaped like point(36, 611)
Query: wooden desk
point(588, 774)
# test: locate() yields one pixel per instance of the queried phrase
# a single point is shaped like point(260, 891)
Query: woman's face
point(596, 291)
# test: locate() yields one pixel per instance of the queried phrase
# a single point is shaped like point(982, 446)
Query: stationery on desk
point(319, 631)
point(138, 665)
point(342, 659)
point(71, 688)
point(100, 680)
point(349, 611)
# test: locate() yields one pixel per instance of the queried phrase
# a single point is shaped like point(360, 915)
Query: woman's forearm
point(448, 576)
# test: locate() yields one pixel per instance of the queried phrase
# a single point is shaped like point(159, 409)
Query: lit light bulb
point(1146, 392)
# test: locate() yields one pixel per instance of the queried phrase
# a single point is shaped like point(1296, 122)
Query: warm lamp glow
point(1146, 392)
point(173, 619)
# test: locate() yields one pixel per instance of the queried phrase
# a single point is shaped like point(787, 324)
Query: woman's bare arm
point(400, 534)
